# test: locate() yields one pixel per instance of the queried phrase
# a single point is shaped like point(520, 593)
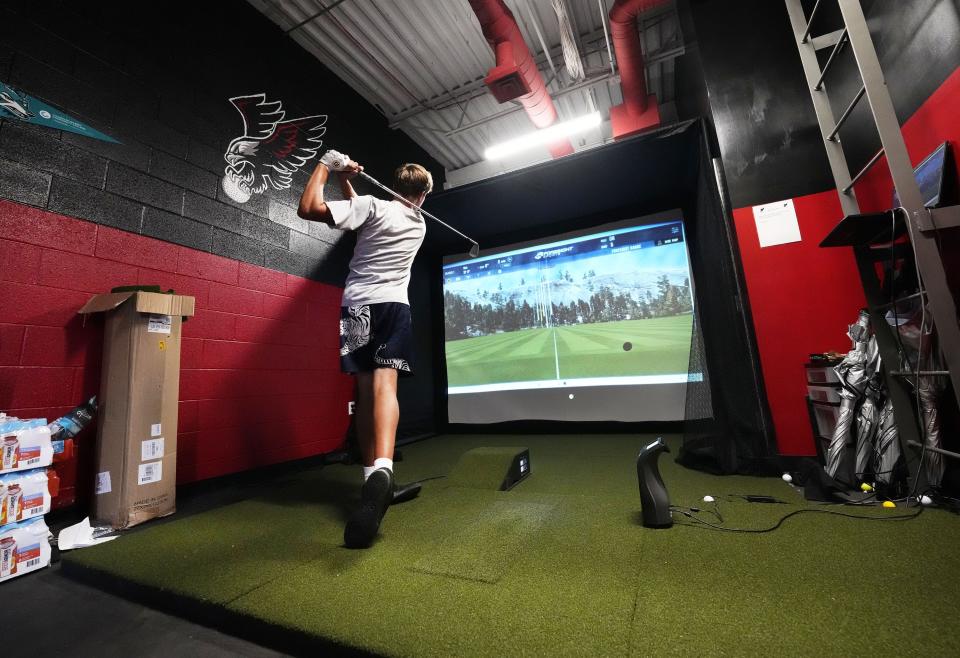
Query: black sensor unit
point(654, 499)
point(519, 469)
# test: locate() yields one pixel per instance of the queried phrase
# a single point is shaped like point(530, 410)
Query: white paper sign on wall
point(777, 223)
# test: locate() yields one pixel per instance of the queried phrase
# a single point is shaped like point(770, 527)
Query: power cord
point(916, 382)
point(696, 510)
point(705, 525)
point(435, 477)
point(904, 361)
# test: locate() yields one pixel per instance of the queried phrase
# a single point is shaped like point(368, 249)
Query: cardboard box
point(24, 547)
point(136, 453)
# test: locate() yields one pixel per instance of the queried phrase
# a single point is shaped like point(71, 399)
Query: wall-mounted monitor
point(587, 326)
point(929, 175)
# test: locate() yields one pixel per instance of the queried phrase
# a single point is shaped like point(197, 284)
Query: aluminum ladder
point(921, 223)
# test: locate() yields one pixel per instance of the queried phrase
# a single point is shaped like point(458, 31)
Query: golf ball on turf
point(787, 477)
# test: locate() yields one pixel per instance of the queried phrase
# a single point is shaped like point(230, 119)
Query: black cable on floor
point(435, 477)
point(713, 526)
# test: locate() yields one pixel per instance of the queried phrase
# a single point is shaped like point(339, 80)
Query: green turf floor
point(559, 565)
point(656, 346)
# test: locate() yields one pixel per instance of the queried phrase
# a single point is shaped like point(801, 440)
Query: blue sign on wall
point(17, 105)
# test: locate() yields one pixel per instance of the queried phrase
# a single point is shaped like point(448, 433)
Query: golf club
point(474, 249)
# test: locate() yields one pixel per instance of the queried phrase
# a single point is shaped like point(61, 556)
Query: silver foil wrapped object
point(854, 373)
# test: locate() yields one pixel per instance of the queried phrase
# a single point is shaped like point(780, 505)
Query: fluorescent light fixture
point(544, 136)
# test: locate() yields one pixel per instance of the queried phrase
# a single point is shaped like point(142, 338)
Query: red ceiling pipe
point(515, 75)
point(639, 110)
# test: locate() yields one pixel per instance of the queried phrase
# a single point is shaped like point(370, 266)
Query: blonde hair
point(412, 180)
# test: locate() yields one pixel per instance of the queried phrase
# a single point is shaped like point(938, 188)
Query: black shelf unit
point(872, 239)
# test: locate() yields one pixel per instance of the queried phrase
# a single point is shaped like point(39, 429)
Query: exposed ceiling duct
point(568, 42)
point(423, 62)
point(515, 75)
point(639, 110)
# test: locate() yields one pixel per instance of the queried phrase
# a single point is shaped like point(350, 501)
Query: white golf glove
point(335, 161)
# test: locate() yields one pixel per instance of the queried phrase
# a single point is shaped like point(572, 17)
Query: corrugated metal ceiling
point(422, 63)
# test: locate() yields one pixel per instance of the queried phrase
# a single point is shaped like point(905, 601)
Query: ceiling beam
point(580, 86)
point(475, 85)
point(479, 89)
point(320, 13)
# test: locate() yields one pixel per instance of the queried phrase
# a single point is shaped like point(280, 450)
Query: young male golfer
point(375, 331)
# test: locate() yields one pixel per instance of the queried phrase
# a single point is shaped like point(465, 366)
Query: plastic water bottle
point(70, 425)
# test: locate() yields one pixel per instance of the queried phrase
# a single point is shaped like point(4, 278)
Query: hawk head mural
point(270, 149)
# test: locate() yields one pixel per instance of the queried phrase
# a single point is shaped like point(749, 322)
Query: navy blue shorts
point(376, 336)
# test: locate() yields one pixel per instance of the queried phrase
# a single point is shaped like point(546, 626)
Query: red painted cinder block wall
point(934, 122)
point(803, 297)
point(260, 380)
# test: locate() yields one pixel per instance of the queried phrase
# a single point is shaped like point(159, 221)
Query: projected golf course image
point(609, 307)
point(658, 346)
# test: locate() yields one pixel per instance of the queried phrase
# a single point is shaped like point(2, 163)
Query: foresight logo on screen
point(551, 253)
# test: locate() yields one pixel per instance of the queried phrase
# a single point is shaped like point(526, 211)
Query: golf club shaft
point(419, 209)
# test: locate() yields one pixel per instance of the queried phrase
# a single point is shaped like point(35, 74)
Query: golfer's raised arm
point(312, 205)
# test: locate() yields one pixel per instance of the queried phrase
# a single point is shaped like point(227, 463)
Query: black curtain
point(727, 427)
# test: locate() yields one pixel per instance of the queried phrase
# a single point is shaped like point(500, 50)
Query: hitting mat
point(558, 565)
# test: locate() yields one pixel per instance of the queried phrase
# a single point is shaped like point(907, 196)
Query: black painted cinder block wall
point(157, 77)
point(759, 102)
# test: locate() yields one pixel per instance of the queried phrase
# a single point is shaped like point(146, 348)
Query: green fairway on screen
point(606, 308)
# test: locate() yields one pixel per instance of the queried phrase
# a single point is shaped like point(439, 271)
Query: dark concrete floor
point(50, 615)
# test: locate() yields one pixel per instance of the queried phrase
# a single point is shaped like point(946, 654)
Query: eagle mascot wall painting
point(270, 150)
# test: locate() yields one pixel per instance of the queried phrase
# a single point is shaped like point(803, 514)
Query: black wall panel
point(762, 113)
point(158, 76)
point(761, 109)
point(918, 44)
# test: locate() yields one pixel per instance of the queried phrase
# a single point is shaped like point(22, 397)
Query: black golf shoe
point(375, 497)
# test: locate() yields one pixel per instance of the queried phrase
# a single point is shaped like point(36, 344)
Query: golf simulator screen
point(586, 326)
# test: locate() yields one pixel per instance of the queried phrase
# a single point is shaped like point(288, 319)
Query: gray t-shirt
point(388, 237)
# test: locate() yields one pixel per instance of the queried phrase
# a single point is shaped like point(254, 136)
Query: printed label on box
point(152, 472)
point(103, 483)
point(29, 457)
point(32, 506)
point(151, 449)
point(160, 324)
point(155, 430)
point(11, 451)
point(29, 557)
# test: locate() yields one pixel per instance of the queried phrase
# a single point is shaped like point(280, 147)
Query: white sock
point(383, 462)
point(368, 471)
